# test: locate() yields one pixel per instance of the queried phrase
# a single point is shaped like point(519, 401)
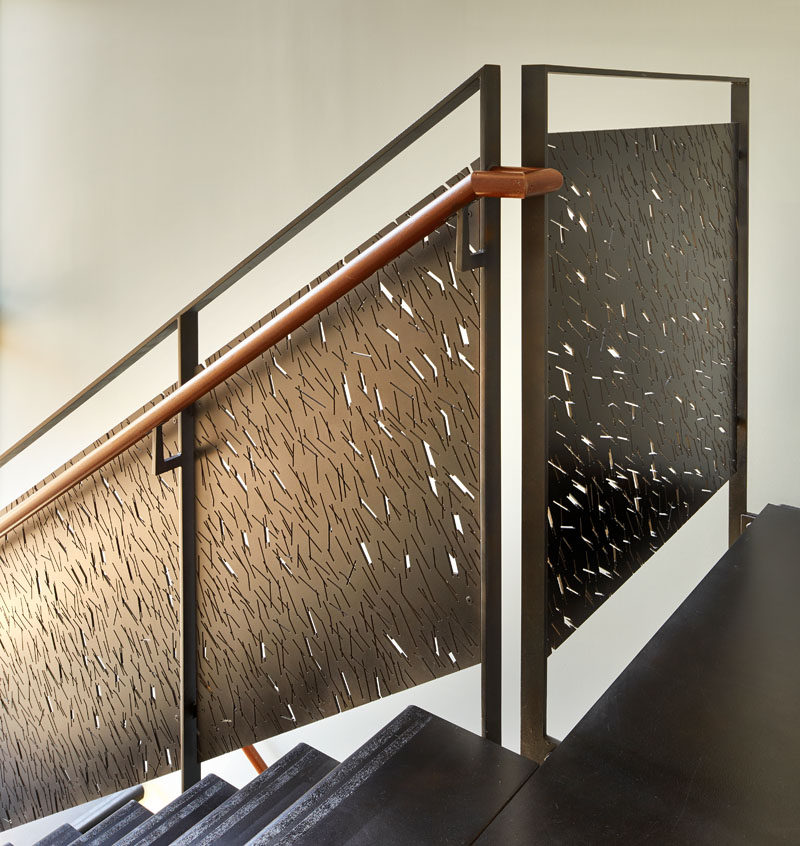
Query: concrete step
point(419, 780)
point(61, 836)
point(181, 814)
point(109, 831)
point(253, 807)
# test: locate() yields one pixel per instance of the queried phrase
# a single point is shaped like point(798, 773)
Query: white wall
point(145, 147)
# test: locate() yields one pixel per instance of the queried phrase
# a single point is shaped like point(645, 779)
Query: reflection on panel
point(339, 534)
point(89, 640)
point(642, 254)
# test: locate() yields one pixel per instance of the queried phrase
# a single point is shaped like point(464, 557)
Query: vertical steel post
point(190, 758)
point(737, 489)
point(535, 287)
point(490, 454)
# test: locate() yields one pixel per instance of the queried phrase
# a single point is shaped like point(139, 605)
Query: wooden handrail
point(515, 182)
point(254, 757)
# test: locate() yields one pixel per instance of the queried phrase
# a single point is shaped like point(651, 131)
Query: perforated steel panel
point(339, 488)
point(339, 547)
point(642, 253)
point(88, 641)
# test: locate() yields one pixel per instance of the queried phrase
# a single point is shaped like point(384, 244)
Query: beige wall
point(146, 146)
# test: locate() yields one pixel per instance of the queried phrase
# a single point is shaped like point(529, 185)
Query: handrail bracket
point(466, 258)
point(162, 463)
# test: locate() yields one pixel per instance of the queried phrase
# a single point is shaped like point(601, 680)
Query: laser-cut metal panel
point(339, 531)
point(89, 667)
point(642, 255)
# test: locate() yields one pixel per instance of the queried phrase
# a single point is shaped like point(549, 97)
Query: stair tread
point(116, 825)
point(61, 836)
point(696, 741)
point(253, 807)
point(420, 779)
point(181, 814)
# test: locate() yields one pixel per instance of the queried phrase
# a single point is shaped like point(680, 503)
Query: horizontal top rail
point(448, 104)
point(567, 70)
point(516, 183)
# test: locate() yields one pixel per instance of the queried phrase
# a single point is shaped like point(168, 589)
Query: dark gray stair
point(697, 741)
point(60, 837)
point(115, 826)
point(180, 815)
point(253, 807)
point(420, 780)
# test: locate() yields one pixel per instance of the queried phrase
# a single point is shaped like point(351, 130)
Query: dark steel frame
point(535, 286)
point(485, 82)
point(405, 139)
point(190, 739)
point(490, 429)
point(187, 492)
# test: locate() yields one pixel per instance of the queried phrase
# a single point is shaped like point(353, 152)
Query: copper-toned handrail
point(516, 183)
point(253, 756)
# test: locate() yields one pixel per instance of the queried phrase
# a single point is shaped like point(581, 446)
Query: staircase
point(420, 779)
point(105, 833)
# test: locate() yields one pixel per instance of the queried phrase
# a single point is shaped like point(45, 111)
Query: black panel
point(88, 637)
point(642, 252)
point(339, 522)
point(697, 741)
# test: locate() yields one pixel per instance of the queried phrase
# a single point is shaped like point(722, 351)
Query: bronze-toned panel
point(89, 598)
point(339, 547)
point(338, 485)
point(642, 349)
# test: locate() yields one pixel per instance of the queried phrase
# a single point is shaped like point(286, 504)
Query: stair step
point(109, 831)
point(60, 837)
point(181, 814)
point(421, 779)
point(253, 807)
